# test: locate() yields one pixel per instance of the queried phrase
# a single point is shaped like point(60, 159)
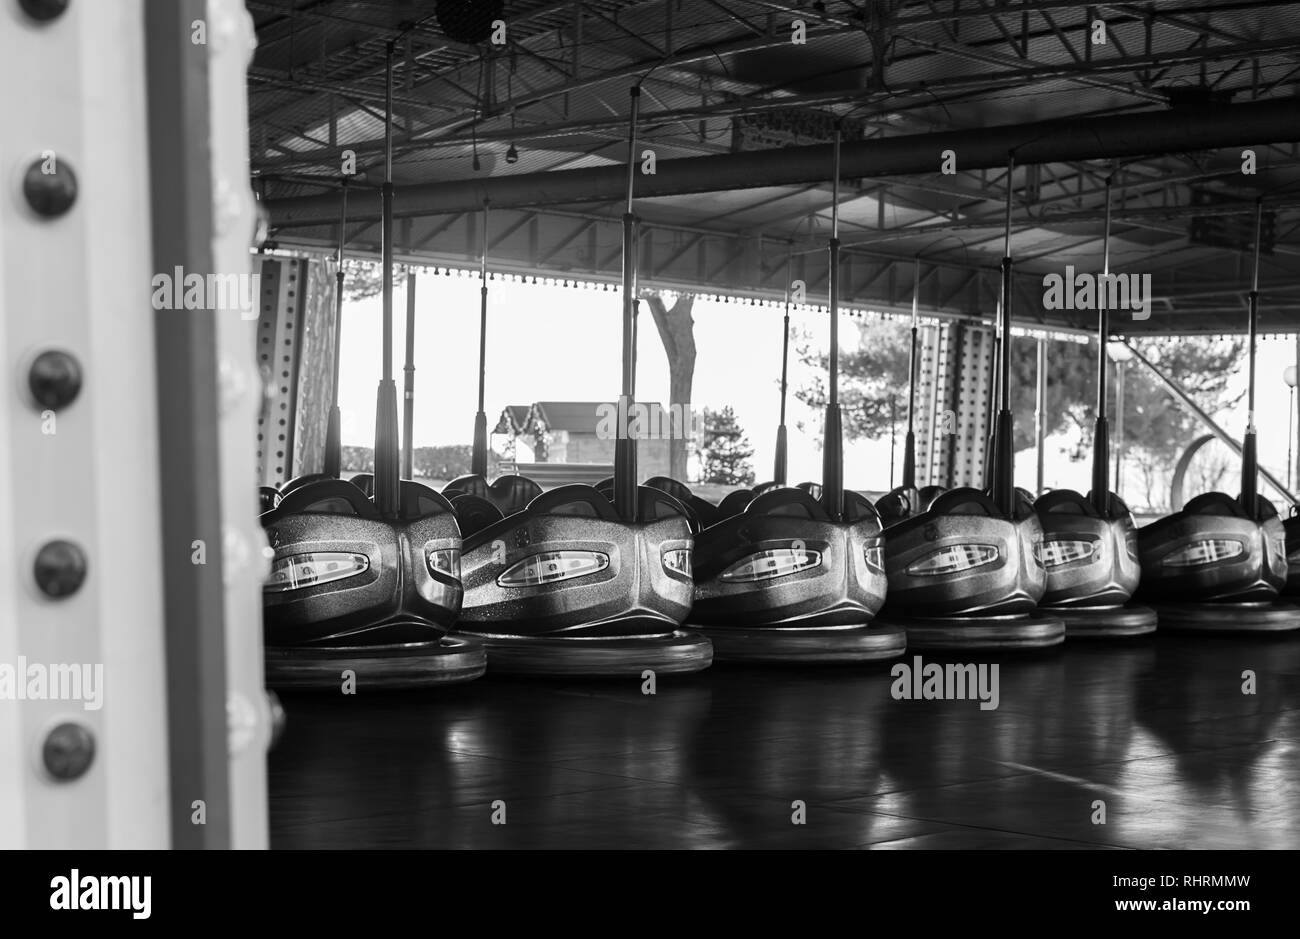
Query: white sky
point(555, 343)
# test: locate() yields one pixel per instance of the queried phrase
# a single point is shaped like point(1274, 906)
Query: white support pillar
point(244, 546)
point(88, 538)
point(83, 468)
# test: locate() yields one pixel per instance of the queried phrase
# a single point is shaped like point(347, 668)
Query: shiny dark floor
point(1157, 729)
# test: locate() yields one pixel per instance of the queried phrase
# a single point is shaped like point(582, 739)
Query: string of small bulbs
point(864, 314)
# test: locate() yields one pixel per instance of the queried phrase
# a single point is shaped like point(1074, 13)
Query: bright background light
point(547, 342)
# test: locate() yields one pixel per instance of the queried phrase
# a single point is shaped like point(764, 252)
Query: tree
point(364, 279)
point(357, 459)
point(448, 462)
point(1213, 473)
point(1157, 426)
point(1071, 391)
point(869, 376)
point(726, 449)
point(677, 332)
point(877, 370)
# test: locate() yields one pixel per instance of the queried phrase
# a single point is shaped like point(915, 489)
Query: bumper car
point(784, 581)
point(1292, 529)
point(1091, 559)
point(964, 566)
point(567, 586)
point(964, 574)
point(577, 582)
point(1216, 567)
point(796, 575)
point(353, 589)
point(1090, 542)
point(1219, 564)
point(365, 588)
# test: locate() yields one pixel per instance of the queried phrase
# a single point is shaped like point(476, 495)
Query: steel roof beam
point(1135, 134)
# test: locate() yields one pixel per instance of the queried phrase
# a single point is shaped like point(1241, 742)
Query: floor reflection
point(1156, 732)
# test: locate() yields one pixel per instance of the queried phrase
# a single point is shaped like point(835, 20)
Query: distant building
point(578, 432)
point(511, 424)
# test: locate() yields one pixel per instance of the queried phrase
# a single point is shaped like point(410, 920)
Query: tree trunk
point(677, 332)
point(315, 375)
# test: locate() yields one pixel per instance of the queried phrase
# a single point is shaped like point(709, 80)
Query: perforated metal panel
point(295, 350)
point(928, 417)
point(972, 406)
point(954, 382)
point(278, 330)
point(315, 372)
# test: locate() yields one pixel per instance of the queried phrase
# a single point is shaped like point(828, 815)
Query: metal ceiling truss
point(900, 67)
point(751, 266)
point(1007, 52)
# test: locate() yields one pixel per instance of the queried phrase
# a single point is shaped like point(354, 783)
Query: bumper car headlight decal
point(443, 561)
point(678, 560)
point(954, 559)
point(1058, 552)
point(1205, 551)
point(552, 566)
point(298, 571)
point(771, 564)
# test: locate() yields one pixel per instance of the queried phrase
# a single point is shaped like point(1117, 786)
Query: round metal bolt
point(241, 723)
point(261, 224)
point(50, 194)
point(262, 567)
point(60, 569)
point(236, 554)
point(68, 751)
point(44, 10)
point(278, 718)
point(54, 379)
point(232, 385)
point(226, 206)
point(223, 30)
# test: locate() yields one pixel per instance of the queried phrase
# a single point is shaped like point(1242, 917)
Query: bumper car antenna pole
point(625, 474)
point(334, 429)
point(1100, 495)
point(408, 371)
point(832, 451)
point(1003, 483)
point(909, 445)
point(1249, 451)
point(386, 464)
point(991, 412)
point(478, 460)
point(782, 460)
